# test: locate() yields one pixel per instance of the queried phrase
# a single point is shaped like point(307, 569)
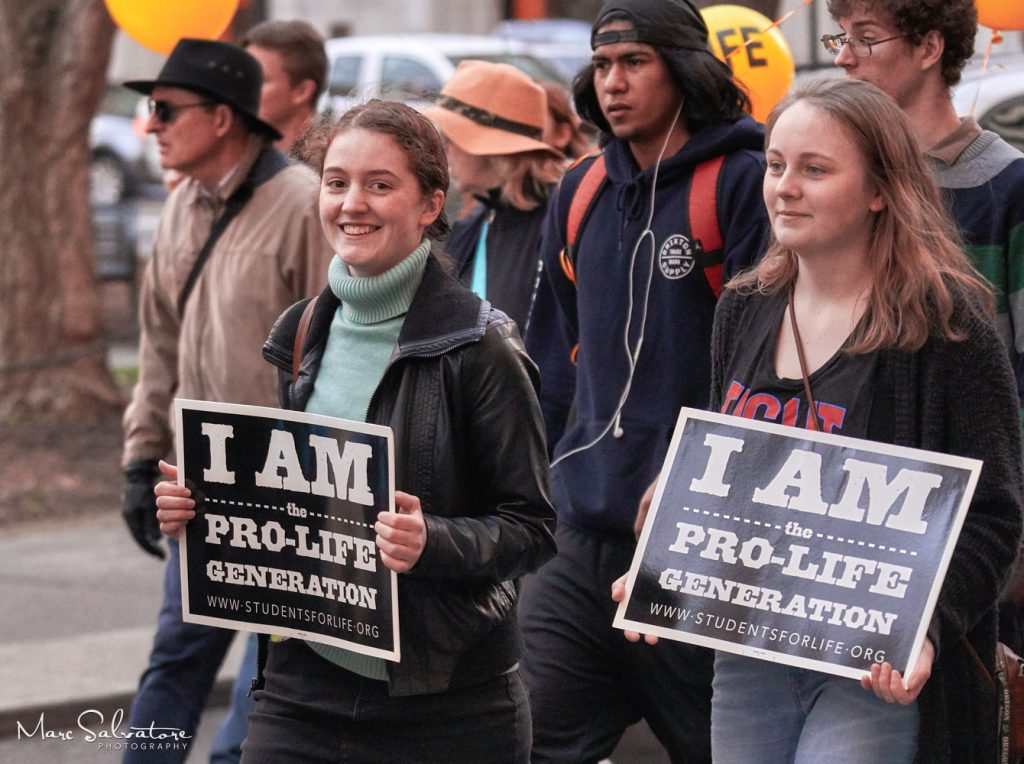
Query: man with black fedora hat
point(636, 246)
point(238, 241)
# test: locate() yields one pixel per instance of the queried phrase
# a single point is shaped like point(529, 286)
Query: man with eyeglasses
point(914, 51)
point(239, 240)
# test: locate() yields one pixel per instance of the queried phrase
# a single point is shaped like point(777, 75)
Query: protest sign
point(819, 551)
point(283, 540)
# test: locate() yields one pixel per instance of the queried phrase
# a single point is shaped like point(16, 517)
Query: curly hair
point(527, 177)
point(415, 135)
point(915, 252)
point(955, 20)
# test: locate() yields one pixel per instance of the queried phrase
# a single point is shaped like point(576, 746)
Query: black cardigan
point(956, 398)
point(513, 255)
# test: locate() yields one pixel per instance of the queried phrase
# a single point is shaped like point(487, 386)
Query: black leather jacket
point(460, 395)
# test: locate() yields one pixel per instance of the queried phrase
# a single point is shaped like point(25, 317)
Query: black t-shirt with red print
point(843, 387)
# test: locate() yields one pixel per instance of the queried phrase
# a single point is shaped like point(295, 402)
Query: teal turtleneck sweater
point(363, 334)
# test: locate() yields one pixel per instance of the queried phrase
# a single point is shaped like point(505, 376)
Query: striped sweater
point(985, 186)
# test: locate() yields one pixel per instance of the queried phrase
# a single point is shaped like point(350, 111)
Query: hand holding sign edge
point(619, 594)
point(174, 505)
point(891, 687)
point(644, 509)
point(401, 535)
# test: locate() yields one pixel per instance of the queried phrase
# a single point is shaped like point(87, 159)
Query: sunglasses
point(166, 113)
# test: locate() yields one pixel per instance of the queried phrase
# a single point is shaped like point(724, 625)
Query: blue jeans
point(768, 713)
point(183, 665)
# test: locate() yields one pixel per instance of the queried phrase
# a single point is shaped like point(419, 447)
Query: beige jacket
point(271, 255)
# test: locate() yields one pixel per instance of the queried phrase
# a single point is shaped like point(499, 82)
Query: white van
point(415, 67)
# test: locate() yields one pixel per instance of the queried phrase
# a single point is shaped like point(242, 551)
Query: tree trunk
point(53, 64)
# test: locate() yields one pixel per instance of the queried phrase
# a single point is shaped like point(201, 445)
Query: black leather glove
point(139, 508)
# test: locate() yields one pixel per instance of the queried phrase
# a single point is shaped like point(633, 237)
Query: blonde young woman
point(898, 335)
point(492, 117)
point(563, 129)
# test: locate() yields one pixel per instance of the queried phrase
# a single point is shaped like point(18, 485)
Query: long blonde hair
point(915, 253)
point(527, 177)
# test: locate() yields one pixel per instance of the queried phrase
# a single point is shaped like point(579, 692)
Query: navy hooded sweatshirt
point(600, 487)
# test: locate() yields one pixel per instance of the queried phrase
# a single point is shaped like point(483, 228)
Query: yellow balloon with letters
point(159, 24)
point(1004, 15)
point(764, 67)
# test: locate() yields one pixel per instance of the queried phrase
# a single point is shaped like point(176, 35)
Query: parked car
point(995, 97)
point(117, 165)
point(415, 67)
point(562, 42)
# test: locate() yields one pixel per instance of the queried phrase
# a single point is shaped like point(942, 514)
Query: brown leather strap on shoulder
point(300, 338)
point(812, 413)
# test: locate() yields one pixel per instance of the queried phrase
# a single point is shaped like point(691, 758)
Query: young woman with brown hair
point(395, 340)
point(865, 271)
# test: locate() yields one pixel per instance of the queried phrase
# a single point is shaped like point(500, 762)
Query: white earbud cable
point(632, 353)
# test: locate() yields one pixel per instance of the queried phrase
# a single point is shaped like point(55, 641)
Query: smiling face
point(372, 209)
point(819, 198)
point(635, 89)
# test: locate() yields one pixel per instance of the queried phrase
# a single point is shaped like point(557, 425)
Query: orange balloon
point(1006, 15)
point(159, 24)
point(764, 67)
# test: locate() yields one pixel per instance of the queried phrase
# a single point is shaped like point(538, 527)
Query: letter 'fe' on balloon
point(282, 468)
point(755, 51)
point(802, 473)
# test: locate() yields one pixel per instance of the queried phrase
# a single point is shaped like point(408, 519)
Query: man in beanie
point(238, 241)
point(664, 229)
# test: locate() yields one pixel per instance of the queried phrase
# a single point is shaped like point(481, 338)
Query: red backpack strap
point(707, 236)
point(579, 210)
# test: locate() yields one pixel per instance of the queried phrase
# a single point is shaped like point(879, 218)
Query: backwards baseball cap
point(659, 23)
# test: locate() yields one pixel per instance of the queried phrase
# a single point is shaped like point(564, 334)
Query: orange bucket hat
point(490, 109)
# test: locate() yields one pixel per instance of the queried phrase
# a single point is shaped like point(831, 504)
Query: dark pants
point(587, 683)
point(227, 743)
point(311, 710)
point(174, 688)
